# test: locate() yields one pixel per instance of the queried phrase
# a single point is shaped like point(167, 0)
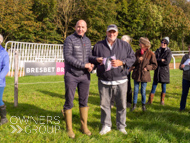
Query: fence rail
point(32, 52)
point(39, 52)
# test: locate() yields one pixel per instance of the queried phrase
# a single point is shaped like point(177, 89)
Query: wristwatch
point(124, 63)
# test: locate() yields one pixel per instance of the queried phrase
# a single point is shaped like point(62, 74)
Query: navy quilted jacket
point(77, 52)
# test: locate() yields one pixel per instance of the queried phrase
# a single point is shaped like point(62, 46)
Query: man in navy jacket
point(113, 81)
point(78, 58)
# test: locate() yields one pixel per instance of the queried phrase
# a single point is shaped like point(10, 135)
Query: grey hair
point(1, 39)
point(126, 38)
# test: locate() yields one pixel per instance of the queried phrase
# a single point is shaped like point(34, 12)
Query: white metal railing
point(32, 52)
point(173, 56)
point(178, 53)
point(39, 52)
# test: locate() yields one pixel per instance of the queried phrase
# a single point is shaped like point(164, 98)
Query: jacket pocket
point(146, 76)
point(100, 70)
point(135, 74)
point(77, 72)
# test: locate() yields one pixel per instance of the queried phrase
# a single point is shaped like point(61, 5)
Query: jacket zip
point(83, 48)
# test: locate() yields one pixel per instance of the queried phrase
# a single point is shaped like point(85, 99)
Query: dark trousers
point(129, 91)
point(185, 91)
point(71, 83)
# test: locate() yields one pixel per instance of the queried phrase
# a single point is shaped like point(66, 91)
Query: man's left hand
point(116, 63)
point(99, 60)
point(91, 68)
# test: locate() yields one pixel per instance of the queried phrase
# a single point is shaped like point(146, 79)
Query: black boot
point(3, 115)
point(128, 105)
point(143, 107)
point(134, 107)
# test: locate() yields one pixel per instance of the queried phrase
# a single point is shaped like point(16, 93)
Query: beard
point(111, 39)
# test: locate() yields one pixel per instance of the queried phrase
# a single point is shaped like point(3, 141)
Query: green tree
point(45, 13)
point(16, 18)
point(140, 18)
point(67, 13)
point(99, 14)
point(175, 22)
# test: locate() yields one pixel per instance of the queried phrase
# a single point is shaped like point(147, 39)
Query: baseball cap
point(112, 27)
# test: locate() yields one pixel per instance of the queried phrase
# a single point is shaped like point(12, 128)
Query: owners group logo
point(30, 124)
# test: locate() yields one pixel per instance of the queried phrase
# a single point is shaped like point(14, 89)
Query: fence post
point(16, 79)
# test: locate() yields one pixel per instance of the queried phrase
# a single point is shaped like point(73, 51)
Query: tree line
point(51, 21)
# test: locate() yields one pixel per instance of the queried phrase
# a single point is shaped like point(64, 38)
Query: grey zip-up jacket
point(77, 52)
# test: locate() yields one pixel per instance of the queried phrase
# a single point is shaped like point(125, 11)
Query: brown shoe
point(162, 98)
point(68, 120)
point(150, 99)
point(83, 119)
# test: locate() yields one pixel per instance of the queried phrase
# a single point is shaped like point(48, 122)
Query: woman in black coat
point(162, 73)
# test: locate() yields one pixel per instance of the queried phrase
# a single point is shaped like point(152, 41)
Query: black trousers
point(72, 82)
point(129, 91)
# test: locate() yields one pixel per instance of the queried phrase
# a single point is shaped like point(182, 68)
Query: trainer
point(77, 54)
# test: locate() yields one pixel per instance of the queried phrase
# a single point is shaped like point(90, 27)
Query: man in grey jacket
point(78, 58)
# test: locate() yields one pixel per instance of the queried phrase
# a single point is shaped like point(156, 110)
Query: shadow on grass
point(166, 124)
point(52, 94)
point(95, 100)
point(161, 113)
point(33, 113)
point(169, 94)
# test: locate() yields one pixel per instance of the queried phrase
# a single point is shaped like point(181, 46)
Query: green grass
point(163, 124)
point(177, 59)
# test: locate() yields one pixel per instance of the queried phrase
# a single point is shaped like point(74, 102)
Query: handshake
point(90, 66)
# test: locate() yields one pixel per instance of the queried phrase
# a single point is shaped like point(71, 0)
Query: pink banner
point(60, 68)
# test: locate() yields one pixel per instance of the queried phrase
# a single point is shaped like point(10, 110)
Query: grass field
point(38, 116)
point(177, 59)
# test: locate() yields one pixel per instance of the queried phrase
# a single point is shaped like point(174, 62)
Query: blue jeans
point(154, 85)
point(1, 96)
point(185, 90)
point(143, 91)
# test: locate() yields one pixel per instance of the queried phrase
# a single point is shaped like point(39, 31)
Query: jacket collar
point(79, 36)
point(165, 48)
point(113, 43)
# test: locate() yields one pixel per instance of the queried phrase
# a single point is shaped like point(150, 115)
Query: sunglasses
point(163, 42)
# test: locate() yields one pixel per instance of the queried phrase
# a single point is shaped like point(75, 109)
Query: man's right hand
point(89, 66)
point(141, 58)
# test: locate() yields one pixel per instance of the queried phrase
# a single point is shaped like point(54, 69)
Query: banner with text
point(44, 68)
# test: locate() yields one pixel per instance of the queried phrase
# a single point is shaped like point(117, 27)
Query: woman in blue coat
point(4, 68)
